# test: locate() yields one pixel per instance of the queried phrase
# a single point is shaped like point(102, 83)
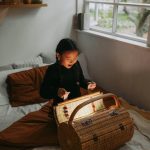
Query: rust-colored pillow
point(23, 87)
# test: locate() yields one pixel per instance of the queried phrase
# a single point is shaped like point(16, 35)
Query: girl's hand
point(91, 85)
point(62, 93)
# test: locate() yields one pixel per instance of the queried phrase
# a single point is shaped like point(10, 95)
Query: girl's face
point(68, 58)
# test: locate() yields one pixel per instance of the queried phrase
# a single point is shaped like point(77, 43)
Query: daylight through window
point(125, 18)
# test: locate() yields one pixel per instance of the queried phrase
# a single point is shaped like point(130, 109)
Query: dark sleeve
point(82, 80)
point(49, 86)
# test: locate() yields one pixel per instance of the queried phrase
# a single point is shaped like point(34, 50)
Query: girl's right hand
point(62, 93)
point(91, 85)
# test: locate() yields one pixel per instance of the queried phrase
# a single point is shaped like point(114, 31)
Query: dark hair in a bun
point(66, 45)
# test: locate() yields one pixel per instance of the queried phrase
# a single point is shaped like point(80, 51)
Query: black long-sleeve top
point(57, 76)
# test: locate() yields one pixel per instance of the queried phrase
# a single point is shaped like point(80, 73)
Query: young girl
point(63, 79)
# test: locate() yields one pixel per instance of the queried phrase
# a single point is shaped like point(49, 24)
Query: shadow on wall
point(118, 67)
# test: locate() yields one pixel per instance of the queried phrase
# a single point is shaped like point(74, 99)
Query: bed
point(27, 124)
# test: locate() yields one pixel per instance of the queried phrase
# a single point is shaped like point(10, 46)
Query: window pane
point(133, 21)
point(92, 14)
point(101, 15)
point(136, 1)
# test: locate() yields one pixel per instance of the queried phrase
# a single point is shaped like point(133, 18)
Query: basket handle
point(117, 104)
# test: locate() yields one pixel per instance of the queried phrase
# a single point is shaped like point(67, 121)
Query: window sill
point(115, 38)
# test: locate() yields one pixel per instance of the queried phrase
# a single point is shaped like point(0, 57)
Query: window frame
point(113, 31)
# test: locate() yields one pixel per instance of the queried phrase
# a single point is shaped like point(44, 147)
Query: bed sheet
point(9, 114)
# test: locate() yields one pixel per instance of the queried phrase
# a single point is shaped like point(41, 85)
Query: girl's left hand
point(91, 85)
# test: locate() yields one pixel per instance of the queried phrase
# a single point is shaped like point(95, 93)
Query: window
point(125, 18)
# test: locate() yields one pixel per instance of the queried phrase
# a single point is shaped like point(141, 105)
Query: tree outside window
point(130, 20)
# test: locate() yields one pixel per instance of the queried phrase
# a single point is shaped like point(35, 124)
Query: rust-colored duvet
point(35, 129)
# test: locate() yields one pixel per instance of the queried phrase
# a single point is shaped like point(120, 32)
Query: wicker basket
point(107, 129)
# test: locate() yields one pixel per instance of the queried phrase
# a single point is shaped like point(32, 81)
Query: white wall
point(26, 32)
point(118, 67)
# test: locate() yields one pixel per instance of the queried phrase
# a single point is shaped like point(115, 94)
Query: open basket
point(101, 129)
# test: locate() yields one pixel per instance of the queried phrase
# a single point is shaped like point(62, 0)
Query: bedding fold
point(35, 129)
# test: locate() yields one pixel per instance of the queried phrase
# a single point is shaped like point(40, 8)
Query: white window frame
point(116, 3)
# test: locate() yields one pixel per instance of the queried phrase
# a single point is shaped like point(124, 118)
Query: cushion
point(23, 87)
point(31, 62)
point(48, 58)
point(3, 92)
point(6, 67)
